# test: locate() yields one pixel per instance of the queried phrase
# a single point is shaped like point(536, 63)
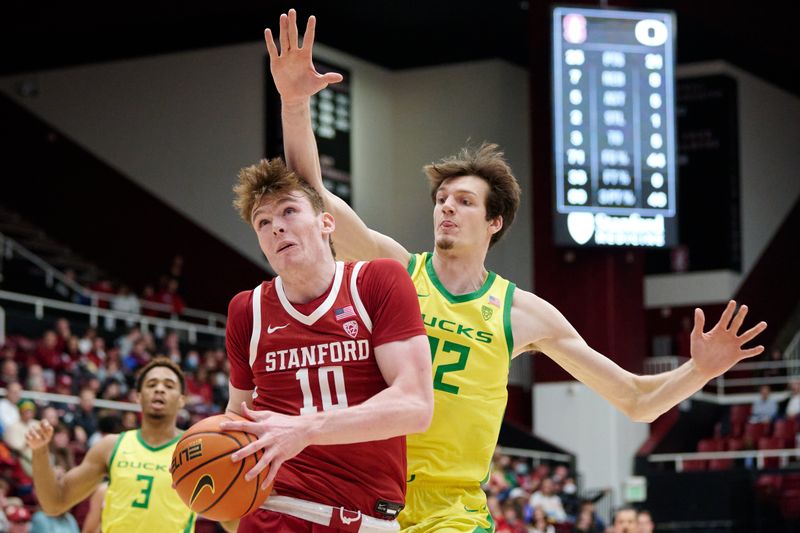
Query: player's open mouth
point(159, 402)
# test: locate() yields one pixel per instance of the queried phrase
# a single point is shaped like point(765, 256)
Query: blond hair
point(267, 178)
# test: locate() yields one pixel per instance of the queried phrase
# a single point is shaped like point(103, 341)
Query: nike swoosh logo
point(203, 482)
point(412, 478)
point(422, 295)
point(471, 510)
point(271, 330)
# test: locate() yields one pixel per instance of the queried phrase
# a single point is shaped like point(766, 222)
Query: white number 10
point(324, 389)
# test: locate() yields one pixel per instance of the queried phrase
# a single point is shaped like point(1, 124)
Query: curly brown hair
point(156, 362)
point(488, 163)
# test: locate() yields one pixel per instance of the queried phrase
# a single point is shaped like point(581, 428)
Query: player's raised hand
point(292, 68)
point(280, 436)
point(39, 435)
point(716, 351)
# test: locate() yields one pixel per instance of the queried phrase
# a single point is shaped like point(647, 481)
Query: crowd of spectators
point(162, 299)
point(91, 368)
point(545, 499)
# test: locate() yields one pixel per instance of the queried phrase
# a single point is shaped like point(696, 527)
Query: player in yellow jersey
point(139, 496)
point(477, 321)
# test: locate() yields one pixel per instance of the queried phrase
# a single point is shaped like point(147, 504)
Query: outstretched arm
point(540, 326)
point(58, 495)
point(297, 80)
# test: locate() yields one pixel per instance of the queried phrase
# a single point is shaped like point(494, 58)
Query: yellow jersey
point(140, 497)
point(471, 344)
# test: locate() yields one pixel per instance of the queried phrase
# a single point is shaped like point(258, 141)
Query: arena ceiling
point(396, 34)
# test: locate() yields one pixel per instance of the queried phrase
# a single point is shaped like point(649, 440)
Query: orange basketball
point(206, 479)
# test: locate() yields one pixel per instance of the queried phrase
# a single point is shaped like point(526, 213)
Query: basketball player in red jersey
point(330, 362)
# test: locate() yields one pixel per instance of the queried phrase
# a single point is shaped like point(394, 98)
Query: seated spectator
point(19, 519)
point(63, 456)
point(44, 523)
point(14, 435)
point(793, 406)
point(584, 523)
point(764, 408)
point(9, 372)
point(63, 332)
point(625, 520)
point(9, 410)
point(48, 353)
point(149, 298)
point(548, 500)
point(138, 356)
point(587, 507)
point(540, 524)
point(126, 302)
point(510, 522)
point(644, 522)
point(85, 417)
point(104, 291)
point(169, 296)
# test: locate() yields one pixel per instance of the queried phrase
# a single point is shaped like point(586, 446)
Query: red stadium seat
point(768, 486)
point(734, 444)
point(694, 465)
point(790, 504)
point(771, 443)
point(754, 432)
point(740, 413)
point(786, 429)
point(720, 464)
point(711, 445)
point(791, 482)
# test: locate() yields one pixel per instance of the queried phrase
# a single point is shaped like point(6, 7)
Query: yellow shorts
point(445, 509)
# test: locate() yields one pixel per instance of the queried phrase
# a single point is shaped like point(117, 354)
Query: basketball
point(206, 479)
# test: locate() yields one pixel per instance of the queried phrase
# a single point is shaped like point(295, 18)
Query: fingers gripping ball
point(206, 479)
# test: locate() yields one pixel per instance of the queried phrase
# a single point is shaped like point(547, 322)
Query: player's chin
point(445, 243)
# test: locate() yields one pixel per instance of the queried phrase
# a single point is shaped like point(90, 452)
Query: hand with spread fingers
point(280, 436)
point(292, 68)
point(716, 351)
point(39, 436)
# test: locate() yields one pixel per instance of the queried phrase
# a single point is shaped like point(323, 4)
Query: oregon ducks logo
point(204, 481)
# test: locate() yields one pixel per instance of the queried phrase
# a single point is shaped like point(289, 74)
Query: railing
point(65, 398)
point(758, 455)
point(94, 313)
point(721, 386)
point(536, 455)
point(9, 247)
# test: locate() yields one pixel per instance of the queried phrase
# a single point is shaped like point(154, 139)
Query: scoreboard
point(614, 128)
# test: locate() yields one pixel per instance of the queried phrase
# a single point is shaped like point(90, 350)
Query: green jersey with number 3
point(471, 343)
point(140, 497)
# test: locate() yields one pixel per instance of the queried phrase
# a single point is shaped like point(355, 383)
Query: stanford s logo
point(351, 328)
point(204, 481)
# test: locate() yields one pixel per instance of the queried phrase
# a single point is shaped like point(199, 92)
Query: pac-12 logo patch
point(487, 312)
point(351, 328)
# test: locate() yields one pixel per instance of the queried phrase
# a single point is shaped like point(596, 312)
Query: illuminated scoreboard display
point(614, 128)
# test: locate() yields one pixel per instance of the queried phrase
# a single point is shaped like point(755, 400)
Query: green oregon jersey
point(471, 344)
point(140, 497)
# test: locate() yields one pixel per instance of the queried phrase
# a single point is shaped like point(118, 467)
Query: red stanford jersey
point(304, 358)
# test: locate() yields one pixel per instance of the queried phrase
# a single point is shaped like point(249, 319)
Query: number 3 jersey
point(140, 497)
point(301, 359)
point(471, 344)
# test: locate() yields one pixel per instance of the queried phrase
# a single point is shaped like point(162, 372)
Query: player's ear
point(328, 223)
point(495, 224)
